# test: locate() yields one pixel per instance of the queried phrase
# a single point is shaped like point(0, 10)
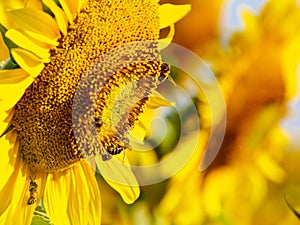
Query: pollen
point(43, 117)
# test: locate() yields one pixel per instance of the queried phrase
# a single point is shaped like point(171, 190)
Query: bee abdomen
point(31, 200)
point(115, 151)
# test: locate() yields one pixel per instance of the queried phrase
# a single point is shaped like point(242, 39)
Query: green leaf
point(9, 65)
point(47, 10)
point(40, 220)
point(8, 42)
point(7, 130)
point(40, 217)
point(2, 29)
point(57, 3)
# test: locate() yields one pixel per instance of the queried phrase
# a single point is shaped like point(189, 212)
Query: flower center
point(49, 139)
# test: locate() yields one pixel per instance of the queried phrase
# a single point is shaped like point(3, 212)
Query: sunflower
point(51, 44)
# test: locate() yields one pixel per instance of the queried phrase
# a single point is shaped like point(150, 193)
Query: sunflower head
point(43, 117)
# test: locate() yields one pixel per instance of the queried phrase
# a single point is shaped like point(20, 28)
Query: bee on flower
point(46, 48)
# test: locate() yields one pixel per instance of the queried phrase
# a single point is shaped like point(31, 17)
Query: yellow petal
point(34, 4)
point(24, 42)
point(170, 14)
point(290, 62)
point(4, 53)
point(16, 190)
point(18, 205)
point(40, 179)
point(140, 131)
point(82, 205)
point(28, 61)
point(120, 177)
point(36, 21)
point(78, 5)
point(79, 197)
point(3, 217)
point(6, 196)
point(49, 42)
point(139, 156)
point(94, 212)
point(3, 15)
point(23, 208)
point(56, 196)
point(15, 76)
point(5, 19)
point(258, 183)
point(270, 168)
point(81, 4)
point(157, 100)
point(142, 128)
point(13, 84)
point(5, 120)
point(165, 42)
point(250, 22)
point(60, 16)
point(76, 192)
point(9, 152)
point(16, 4)
point(70, 7)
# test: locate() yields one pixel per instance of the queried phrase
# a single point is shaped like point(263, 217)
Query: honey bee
point(164, 71)
point(115, 149)
point(33, 189)
point(118, 147)
point(98, 122)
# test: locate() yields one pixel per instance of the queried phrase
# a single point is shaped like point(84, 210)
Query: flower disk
point(43, 117)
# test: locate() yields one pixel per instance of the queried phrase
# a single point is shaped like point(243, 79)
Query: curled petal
point(170, 14)
point(120, 177)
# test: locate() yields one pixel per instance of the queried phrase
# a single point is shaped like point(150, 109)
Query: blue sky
point(255, 5)
point(231, 18)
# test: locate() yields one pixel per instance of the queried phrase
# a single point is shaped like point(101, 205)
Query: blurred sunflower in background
point(253, 179)
point(45, 48)
point(246, 183)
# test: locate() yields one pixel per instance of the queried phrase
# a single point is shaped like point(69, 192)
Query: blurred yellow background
point(254, 52)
